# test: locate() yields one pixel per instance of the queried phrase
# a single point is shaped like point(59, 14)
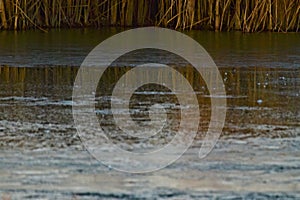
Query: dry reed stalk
point(245, 15)
point(87, 12)
point(16, 15)
point(210, 11)
point(141, 12)
point(237, 15)
point(224, 10)
point(179, 11)
point(8, 11)
point(270, 24)
point(129, 13)
point(23, 4)
point(122, 14)
point(114, 12)
point(3, 17)
point(46, 12)
point(217, 15)
point(295, 19)
point(191, 12)
point(25, 16)
point(53, 14)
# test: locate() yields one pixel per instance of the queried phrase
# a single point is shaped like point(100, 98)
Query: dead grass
point(219, 15)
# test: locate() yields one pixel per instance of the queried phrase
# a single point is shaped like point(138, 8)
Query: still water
point(257, 156)
point(65, 47)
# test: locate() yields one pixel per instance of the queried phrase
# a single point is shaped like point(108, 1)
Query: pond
point(256, 157)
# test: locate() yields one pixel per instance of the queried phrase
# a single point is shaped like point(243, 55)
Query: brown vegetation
point(219, 15)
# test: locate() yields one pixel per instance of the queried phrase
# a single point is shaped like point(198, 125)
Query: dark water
point(64, 47)
point(257, 156)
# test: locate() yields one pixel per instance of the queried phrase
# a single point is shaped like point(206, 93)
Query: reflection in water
point(37, 82)
point(267, 96)
point(255, 86)
point(255, 158)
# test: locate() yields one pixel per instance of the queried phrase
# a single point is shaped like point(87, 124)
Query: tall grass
point(219, 15)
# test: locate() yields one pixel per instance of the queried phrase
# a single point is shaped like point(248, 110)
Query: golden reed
point(219, 15)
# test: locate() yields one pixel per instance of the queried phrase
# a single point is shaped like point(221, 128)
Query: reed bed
point(218, 15)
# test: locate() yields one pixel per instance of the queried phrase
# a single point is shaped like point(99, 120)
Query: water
point(64, 47)
point(257, 156)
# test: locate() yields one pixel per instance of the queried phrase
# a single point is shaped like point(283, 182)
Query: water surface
point(70, 47)
point(257, 156)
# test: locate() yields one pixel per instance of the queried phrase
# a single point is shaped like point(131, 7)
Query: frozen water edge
point(256, 168)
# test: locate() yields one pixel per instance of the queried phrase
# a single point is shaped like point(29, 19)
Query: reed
point(219, 15)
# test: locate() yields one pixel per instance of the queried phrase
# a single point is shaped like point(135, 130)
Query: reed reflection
point(253, 86)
